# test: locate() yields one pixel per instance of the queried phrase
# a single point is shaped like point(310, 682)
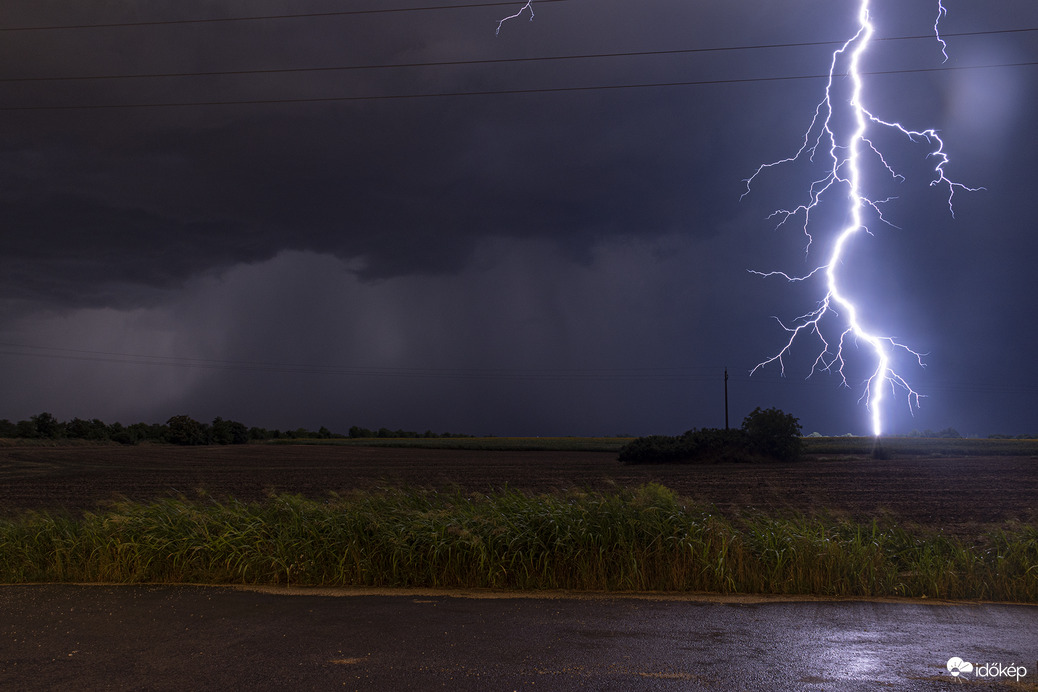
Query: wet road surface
point(204, 638)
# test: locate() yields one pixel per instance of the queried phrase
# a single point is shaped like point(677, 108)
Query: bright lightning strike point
point(843, 157)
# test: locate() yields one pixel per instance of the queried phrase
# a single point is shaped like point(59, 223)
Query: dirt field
point(959, 494)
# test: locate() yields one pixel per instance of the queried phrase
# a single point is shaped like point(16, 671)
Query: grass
point(645, 539)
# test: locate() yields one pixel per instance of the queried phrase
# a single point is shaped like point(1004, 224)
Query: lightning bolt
point(842, 155)
point(842, 161)
point(527, 6)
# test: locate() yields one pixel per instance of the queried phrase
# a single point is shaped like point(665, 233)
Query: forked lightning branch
point(835, 323)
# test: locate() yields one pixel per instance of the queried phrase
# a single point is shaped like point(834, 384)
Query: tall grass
point(645, 539)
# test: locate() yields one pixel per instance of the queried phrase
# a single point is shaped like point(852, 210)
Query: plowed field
point(959, 494)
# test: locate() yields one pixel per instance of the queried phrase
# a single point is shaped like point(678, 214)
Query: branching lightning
point(842, 151)
point(842, 163)
point(527, 6)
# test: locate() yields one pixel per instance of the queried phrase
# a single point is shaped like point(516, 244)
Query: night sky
point(542, 260)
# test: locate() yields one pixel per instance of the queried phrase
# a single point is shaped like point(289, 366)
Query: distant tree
point(117, 432)
point(228, 432)
point(239, 433)
point(184, 430)
point(98, 430)
point(25, 429)
point(80, 429)
point(157, 432)
point(153, 432)
point(774, 434)
point(77, 429)
point(219, 432)
point(47, 426)
point(261, 434)
point(8, 429)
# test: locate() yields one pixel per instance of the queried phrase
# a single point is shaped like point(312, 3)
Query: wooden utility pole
point(726, 398)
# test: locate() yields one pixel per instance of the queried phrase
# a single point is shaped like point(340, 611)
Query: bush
point(694, 446)
point(774, 434)
point(765, 435)
point(654, 449)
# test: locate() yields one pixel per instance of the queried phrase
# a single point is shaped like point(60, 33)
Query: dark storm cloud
point(406, 192)
point(402, 186)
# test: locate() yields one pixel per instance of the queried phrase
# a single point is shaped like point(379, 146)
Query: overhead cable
point(269, 17)
point(496, 92)
point(486, 61)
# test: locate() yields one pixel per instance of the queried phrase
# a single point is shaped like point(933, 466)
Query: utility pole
point(726, 397)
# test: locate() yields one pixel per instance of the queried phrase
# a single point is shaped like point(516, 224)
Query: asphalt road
point(55, 637)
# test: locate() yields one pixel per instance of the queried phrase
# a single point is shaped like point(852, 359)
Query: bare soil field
point(959, 494)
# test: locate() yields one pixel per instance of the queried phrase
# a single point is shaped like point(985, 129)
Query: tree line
point(181, 430)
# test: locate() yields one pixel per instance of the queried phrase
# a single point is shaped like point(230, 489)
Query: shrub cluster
point(767, 434)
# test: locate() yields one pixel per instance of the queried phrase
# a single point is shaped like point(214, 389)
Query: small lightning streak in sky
point(941, 12)
point(843, 153)
point(527, 6)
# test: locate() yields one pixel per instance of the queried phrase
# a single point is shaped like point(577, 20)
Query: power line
point(702, 373)
point(526, 374)
point(303, 15)
point(488, 61)
point(498, 92)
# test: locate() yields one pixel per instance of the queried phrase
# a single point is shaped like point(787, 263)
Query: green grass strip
point(645, 539)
